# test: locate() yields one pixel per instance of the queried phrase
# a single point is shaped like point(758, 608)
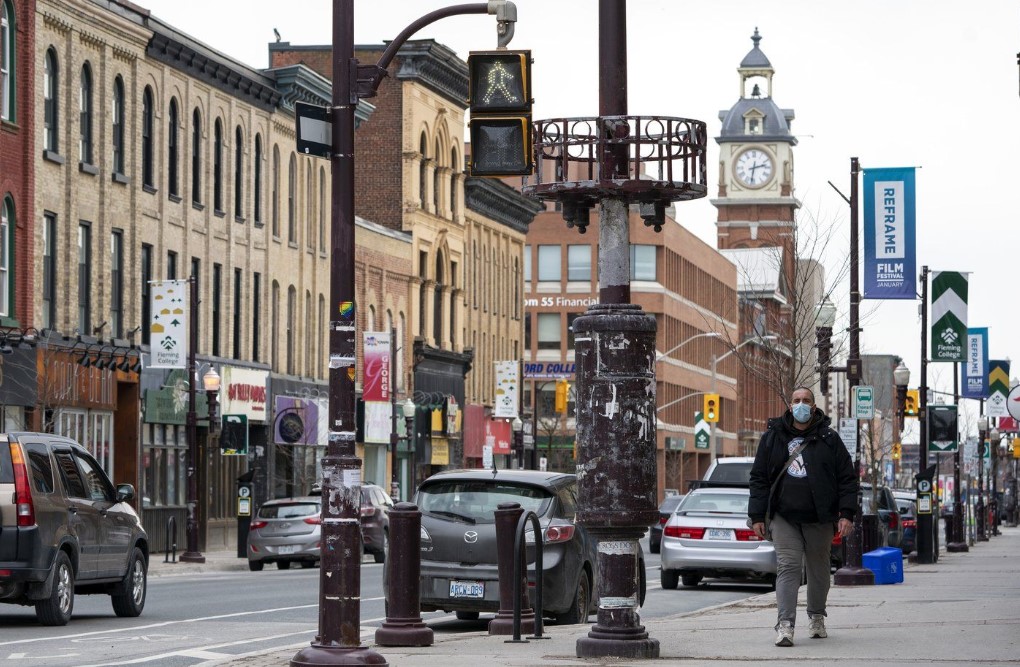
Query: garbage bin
point(886, 563)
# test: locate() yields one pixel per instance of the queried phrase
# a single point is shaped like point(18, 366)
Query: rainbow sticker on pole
point(347, 309)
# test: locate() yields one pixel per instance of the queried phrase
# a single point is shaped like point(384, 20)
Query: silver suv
point(65, 529)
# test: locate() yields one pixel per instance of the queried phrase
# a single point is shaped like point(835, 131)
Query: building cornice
point(431, 64)
point(757, 201)
point(498, 201)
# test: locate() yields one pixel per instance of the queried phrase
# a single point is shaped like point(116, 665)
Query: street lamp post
point(518, 428)
point(192, 554)
point(979, 507)
point(408, 408)
point(825, 319)
point(211, 383)
point(714, 363)
point(994, 440)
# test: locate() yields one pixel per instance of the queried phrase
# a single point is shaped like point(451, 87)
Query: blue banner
point(975, 368)
point(890, 265)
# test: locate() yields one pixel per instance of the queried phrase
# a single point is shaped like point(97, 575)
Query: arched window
point(7, 227)
point(309, 205)
point(118, 125)
point(291, 333)
point(401, 328)
point(238, 172)
point(218, 165)
point(310, 347)
point(454, 170)
point(291, 200)
point(7, 55)
point(85, 115)
point(147, 153)
point(276, 191)
point(437, 303)
point(423, 173)
point(51, 104)
point(274, 326)
point(258, 181)
point(173, 145)
point(320, 327)
point(370, 323)
point(436, 182)
point(196, 157)
point(322, 209)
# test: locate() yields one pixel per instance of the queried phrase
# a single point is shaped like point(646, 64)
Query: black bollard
point(403, 625)
point(507, 516)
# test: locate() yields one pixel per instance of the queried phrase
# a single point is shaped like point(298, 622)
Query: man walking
point(803, 489)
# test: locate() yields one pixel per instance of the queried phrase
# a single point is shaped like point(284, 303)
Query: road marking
point(25, 656)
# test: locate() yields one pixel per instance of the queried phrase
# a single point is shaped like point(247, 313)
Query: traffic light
point(897, 451)
point(499, 96)
point(562, 393)
point(711, 408)
point(910, 403)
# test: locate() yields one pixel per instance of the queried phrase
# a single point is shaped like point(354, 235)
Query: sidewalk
point(964, 610)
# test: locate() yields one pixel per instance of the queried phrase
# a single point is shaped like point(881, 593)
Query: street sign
point(864, 402)
point(942, 428)
point(314, 130)
point(701, 431)
point(487, 457)
point(848, 434)
point(543, 463)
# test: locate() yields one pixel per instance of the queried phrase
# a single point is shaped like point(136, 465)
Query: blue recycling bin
point(886, 563)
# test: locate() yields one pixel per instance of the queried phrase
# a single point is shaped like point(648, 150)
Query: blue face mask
point(802, 412)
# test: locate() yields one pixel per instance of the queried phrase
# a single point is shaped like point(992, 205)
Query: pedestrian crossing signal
point(499, 93)
point(711, 408)
point(910, 403)
point(562, 394)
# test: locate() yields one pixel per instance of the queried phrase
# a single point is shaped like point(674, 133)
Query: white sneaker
point(816, 628)
point(784, 634)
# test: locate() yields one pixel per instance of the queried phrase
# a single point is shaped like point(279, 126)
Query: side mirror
point(125, 492)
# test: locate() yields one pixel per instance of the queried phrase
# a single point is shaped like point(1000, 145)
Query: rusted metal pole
point(339, 638)
point(192, 554)
point(507, 516)
point(403, 625)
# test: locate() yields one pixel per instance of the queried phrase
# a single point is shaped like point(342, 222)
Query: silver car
point(285, 531)
point(707, 536)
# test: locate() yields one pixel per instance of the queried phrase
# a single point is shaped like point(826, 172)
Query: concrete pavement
point(964, 610)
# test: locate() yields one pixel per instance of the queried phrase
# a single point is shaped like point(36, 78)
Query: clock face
point(753, 168)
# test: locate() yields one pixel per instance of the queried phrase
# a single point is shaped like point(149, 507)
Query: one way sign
point(314, 130)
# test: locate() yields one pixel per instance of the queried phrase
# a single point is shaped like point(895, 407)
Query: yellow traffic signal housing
point(562, 393)
point(499, 94)
point(910, 403)
point(711, 408)
point(897, 451)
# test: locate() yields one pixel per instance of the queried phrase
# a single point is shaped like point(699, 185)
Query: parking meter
point(926, 507)
point(245, 510)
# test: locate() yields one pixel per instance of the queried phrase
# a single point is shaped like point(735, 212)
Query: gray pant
point(797, 543)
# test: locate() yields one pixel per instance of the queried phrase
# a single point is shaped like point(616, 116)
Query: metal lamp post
point(517, 426)
point(825, 319)
point(714, 363)
point(979, 507)
point(994, 440)
point(211, 383)
point(192, 554)
point(408, 409)
point(901, 378)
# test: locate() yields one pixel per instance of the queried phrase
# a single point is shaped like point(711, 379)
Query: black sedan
point(458, 548)
point(665, 511)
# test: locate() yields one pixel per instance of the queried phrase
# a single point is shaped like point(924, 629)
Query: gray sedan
point(708, 536)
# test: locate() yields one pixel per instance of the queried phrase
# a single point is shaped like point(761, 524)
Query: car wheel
point(256, 565)
point(690, 580)
point(283, 564)
point(654, 547)
point(380, 556)
point(669, 579)
point(305, 564)
point(467, 615)
point(578, 612)
point(130, 601)
point(643, 583)
point(56, 609)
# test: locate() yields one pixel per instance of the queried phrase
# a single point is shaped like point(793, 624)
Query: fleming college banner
point(948, 316)
point(168, 329)
point(998, 389)
point(889, 234)
point(975, 368)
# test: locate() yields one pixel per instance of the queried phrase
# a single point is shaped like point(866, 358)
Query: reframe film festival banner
point(975, 368)
point(890, 234)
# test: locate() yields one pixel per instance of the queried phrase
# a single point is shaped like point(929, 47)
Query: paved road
point(198, 617)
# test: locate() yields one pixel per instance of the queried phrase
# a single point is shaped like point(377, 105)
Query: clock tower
point(755, 202)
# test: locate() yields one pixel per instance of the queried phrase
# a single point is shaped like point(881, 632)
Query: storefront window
point(164, 457)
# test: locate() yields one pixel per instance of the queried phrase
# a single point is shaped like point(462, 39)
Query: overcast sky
point(925, 83)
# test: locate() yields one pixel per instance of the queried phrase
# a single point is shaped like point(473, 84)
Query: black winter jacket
point(831, 472)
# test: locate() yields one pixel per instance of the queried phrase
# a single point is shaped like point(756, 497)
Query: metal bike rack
point(171, 540)
point(519, 546)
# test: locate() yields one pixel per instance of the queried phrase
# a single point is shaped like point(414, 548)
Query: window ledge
point(259, 224)
point(198, 206)
point(174, 198)
point(218, 213)
point(239, 218)
point(9, 126)
point(86, 168)
point(292, 244)
point(148, 188)
point(120, 178)
point(53, 156)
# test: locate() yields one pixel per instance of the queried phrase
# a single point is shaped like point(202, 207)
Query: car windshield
point(732, 503)
point(288, 511)
point(731, 473)
point(670, 503)
point(476, 501)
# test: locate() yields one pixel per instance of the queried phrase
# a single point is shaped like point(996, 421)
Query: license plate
point(467, 589)
point(718, 534)
point(288, 549)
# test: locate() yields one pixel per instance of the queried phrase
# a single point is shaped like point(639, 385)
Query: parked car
point(287, 530)
point(890, 526)
point(908, 520)
point(665, 511)
point(707, 536)
point(734, 470)
point(458, 548)
point(66, 530)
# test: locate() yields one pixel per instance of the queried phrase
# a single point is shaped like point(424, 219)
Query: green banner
point(948, 316)
point(701, 431)
point(998, 388)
